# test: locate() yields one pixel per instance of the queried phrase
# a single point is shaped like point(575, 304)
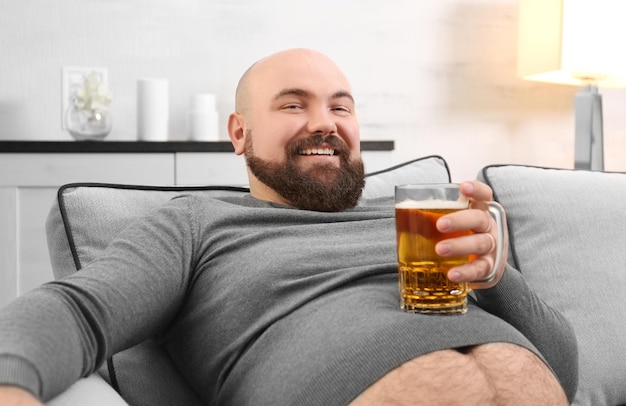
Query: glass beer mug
point(422, 274)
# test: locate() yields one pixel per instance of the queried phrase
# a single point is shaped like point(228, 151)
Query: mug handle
point(497, 212)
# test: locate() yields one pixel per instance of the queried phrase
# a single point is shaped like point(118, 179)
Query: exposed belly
point(488, 374)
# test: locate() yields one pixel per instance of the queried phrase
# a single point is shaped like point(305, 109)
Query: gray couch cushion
point(431, 169)
point(568, 235)
point(86, 217)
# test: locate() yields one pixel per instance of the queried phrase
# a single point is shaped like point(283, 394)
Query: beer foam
point(432, 204)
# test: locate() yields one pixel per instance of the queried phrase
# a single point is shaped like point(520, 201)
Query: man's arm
point(508, 296)
point(64, 330)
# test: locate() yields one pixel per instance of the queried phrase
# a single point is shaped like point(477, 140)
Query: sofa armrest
point(92, 391)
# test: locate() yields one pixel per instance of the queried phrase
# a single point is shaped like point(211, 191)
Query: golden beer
point(423, 282)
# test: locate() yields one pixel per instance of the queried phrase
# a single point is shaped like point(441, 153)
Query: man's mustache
point(314, 141)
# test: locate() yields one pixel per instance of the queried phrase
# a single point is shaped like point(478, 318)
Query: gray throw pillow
point(432, 169)
point(568, 238)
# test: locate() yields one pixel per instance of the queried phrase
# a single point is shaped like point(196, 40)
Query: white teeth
point(317, 151)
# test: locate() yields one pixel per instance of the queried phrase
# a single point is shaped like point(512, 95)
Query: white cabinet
point(8, 244)
point(28, 186)
point(210, 168)
point(29, 182)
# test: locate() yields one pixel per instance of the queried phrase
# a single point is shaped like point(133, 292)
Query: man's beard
point(322, 187)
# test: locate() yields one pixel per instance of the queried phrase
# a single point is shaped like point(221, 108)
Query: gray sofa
point(566, 234)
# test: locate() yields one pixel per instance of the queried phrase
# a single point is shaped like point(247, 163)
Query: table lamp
point(581, 43)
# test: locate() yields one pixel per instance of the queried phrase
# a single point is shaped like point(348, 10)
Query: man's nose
point(321, 121)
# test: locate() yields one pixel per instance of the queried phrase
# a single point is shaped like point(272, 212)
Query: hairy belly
point(488, 374)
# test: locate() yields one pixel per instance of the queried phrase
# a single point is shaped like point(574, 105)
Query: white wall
point(437, 76)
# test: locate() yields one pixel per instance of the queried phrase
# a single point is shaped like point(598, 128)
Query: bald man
point(300, 280)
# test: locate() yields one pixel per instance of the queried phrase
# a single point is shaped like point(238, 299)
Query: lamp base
point(589, 148)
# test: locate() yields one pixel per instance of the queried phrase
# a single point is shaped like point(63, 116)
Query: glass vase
point(86, 125)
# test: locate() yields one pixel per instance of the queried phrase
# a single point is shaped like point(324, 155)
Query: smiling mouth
point(318, 151)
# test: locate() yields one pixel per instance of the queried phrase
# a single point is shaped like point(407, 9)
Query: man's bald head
point(285, 60)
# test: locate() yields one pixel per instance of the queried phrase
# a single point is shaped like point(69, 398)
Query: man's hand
point(16, 396)
point(482, 243)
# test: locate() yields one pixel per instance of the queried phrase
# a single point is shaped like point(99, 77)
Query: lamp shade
point(572, 42)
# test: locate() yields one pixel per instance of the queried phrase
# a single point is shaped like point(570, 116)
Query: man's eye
point(291, 107)
point(341, 109)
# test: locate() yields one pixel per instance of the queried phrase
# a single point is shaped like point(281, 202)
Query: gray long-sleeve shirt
point(259, 303)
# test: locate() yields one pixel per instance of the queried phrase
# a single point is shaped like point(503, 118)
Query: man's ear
point(237, 133)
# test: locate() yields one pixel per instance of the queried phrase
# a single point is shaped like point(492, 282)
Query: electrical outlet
point(71, 78)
